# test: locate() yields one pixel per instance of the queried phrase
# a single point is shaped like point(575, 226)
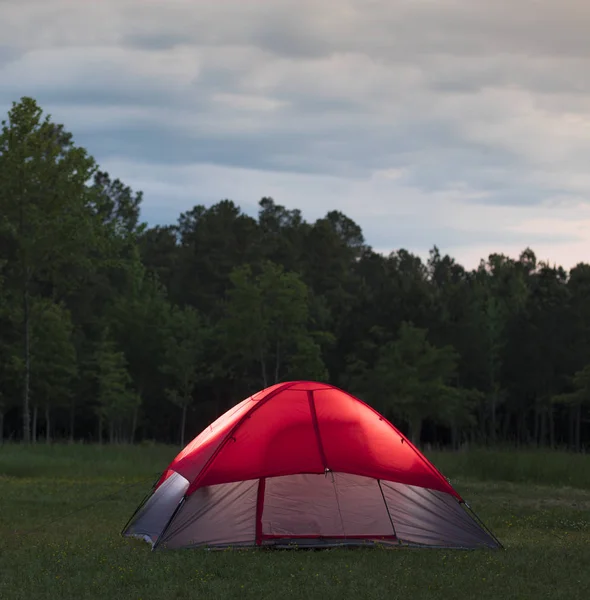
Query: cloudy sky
point(460, 123)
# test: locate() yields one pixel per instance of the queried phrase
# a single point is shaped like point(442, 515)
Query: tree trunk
point(133, 425)
point(27, 373)
point(551, 427)
point(34, 429)
point(100, 429)
point(136, 414)
point(183, 425)
point(483, 433)
point(578, 421)
point(111, 432)
point(543, 434)
point(454, 437)
point(277, 363)
point(506, 425)
point(72, 421)
point(493, 425)
point(263, 367)
point(415, 431)
point(1, 428)
point(524, 432)
point(47, 426)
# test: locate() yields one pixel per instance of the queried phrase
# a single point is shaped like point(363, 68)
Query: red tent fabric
point(304, 462)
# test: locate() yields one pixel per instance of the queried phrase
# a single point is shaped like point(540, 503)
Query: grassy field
point(537, 503)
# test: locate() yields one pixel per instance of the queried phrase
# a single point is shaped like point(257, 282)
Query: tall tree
point(267, 315)
point(53, 358)
point(577, 400)
point(139, 321)
point(213, 241)
point(282, 231)
point(43, 208)
point(411, 379)
point(500, 294)
point(160, 254)
point(184, 360)
point(117, 400)
point(116, 204)
point(6, 355)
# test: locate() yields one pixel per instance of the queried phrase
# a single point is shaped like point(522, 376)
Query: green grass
point(537, 503)
point(544, 467)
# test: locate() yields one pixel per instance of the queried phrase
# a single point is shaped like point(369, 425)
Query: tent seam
point(232, 431)
point(334, 485)
point(259, 509)
point(407, 441)
point(388, 513)
point(316, 427)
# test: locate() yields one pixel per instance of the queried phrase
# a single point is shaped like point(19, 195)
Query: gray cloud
point(305, 28)
point(476, 104)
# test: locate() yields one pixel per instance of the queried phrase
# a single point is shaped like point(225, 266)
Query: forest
point(115, 332)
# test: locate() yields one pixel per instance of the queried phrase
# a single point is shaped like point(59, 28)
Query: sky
point(458, 123)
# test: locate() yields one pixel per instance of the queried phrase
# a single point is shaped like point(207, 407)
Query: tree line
point(114, 331)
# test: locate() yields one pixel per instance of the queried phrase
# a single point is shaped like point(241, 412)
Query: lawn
point(537, 503)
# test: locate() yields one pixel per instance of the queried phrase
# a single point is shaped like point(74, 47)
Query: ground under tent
point(304, 464)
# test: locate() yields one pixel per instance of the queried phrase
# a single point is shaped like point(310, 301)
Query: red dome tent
point(304, 463)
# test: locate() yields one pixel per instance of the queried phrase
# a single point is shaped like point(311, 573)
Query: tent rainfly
point(304, 464)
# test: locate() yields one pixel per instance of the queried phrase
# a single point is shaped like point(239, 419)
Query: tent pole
point(483, 525)
point(141, 504)
point(180, 504)
point(259, 509)
point(388, 513)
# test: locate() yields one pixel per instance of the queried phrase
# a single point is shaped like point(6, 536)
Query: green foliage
point(411, 380)
point(53, 355)
point(139, 320)
point(116, 398)
point(213, 241)
point(43, 193)
point(116, 205)
point(184, 359)
point(202, 313)
point(306, 361)
point(581, 393)
point(266, 322)
point(45, 223)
